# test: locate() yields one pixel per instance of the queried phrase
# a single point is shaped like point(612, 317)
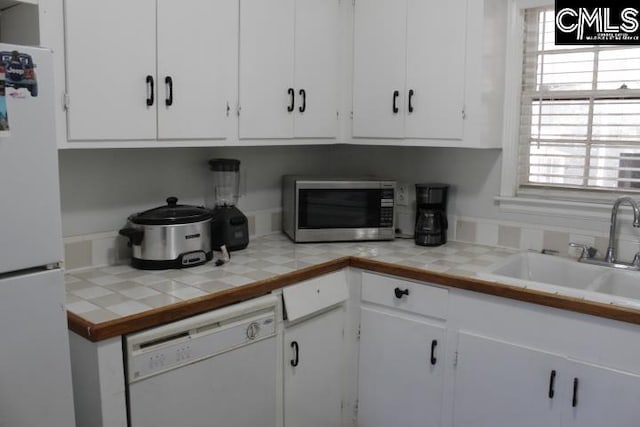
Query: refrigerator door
point(35, 372)
point(30, 224)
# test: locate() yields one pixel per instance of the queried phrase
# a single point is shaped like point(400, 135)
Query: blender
point(229, 226)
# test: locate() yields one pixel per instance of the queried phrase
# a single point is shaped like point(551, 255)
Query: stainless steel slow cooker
point(170, 236)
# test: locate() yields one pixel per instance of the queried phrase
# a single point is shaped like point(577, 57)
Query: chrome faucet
point(610, 256)
point(588, 253)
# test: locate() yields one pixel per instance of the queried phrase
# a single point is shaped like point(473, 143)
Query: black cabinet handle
point(303, 94)
point(150, 91)
point(552, 384)
point(574, 400)
point(399, 292)
point(396, 94)
point(434, 343)
point(292, 94)
point(411, 92)
point(296, 352)
point(169, 82)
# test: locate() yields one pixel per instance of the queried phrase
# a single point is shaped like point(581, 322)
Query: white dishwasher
point(213, 369)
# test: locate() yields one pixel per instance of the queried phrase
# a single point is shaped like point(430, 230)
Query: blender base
point(229, 227)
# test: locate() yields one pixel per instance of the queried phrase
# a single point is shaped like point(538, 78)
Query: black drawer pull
point(552, 384)
point(296, 351)
point(395, 99)
point(411, 93)
point(292, 94)
point(150, 91)
point(303, 107)
point(574, 400)
point(399, 292)
point(434, 343)
point(169, 82)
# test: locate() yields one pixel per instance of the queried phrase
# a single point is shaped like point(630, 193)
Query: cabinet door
point(313, 388)
point(379, 68)
point(603, 397)
point(501, 384)
point(266, 68)
point(196, 44)
point(435, 68)
point(316, 68)
point(110, 54)
point(397, 383)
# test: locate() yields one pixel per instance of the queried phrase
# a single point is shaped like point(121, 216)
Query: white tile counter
point(104, 294)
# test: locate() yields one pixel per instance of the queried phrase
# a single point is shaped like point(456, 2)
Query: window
point(580, 112)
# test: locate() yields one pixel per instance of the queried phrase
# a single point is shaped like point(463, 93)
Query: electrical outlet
point(402, 194)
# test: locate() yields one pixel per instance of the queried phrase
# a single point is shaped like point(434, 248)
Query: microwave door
point(338, 208)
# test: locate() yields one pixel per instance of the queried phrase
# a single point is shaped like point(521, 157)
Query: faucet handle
point(588, 251)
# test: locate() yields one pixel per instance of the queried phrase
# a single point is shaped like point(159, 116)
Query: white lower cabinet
point(315, 351)
point(313, 371)
point(400, 374)
point(501, 384)
point(603, 397)
point(402, 353)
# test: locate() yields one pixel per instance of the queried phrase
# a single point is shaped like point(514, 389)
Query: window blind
point(580, 112)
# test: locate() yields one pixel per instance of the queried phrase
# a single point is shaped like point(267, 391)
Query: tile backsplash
point(535, 237)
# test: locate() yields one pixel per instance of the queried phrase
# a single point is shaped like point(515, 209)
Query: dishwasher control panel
point(155, 351)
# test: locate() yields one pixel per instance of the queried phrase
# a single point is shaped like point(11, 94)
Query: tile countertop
point(120, 295)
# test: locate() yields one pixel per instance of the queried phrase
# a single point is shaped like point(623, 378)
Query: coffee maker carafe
point(431, 214)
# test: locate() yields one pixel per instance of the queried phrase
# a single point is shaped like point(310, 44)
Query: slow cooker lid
point(172, 213)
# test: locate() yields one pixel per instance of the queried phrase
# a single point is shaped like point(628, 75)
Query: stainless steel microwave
point(321, 209)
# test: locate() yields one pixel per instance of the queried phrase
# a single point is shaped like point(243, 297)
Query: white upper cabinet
point(196, 50)
point(379, 68)
point(110, 51)
point(428, 72)
point(149, 69)
point(316, 68)
point(409, 69)
point(435, 69)
point(288, 69)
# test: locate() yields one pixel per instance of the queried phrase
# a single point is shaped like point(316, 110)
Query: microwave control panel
point(386, 207)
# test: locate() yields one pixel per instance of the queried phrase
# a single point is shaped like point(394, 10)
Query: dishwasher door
point(217, 369)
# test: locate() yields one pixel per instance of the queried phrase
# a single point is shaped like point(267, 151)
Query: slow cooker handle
point(135, 236)
point(172, 201)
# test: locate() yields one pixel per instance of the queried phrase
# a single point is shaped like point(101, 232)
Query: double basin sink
point(567, 277)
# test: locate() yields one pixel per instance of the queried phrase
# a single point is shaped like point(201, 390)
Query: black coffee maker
point(431, 214)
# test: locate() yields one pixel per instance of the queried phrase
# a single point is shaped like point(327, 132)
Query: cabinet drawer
point(421, 299)
point(315, 295)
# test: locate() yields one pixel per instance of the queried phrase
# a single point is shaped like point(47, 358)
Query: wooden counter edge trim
point(180, 310)
point(608, 311)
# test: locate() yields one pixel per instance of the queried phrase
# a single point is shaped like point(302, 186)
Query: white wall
point(100, 188)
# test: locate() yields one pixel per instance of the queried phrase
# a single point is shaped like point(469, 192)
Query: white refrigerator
point(35, 373)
